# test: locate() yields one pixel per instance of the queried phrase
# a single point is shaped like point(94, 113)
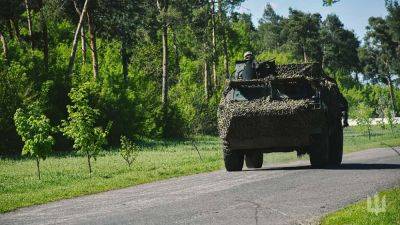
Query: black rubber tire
point(254, 159)
point(336, 147)
point(319, 152)
point(233, 159)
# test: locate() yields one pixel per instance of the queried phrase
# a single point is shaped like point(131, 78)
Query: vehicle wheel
point(319, 152)
point(336, 147)
point(254, 159)
point(233, 159)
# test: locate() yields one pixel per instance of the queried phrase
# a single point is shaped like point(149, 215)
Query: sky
point(353, 13)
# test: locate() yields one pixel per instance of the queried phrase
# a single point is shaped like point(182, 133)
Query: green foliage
point(363, 117)
point(339, 46)
point(35, 131)
point(13, 86)
point(269, 31)
point(129, 151)
point(303, 38)
point(127, 91)
point(81, 124)
point(279, 57)
point(390, 116)
point(329, 2)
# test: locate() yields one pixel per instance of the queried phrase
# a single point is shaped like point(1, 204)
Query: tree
point(302, 31)
point(122, 21)
point(222, 25)
point(213, 43)
point(163, 6)
point(379, 55)
point(339, 46)
point(81, 123)
point(225, 7)
point(329, 2)
point(29, 20)
point(83, 33)
point(35, 130)
point(10, 14)
point(269, 31)
point(45, 37)
point(75, 41)
point(242, 35)
point(92, 39)
point(393, 20)
point(4, 45)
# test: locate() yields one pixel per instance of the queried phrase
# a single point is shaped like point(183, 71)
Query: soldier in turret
point(248, 56)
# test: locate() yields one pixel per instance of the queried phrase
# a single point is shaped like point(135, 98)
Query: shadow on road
point(344, 166)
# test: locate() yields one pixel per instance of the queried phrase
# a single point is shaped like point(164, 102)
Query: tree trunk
point(75, 42)
point(304, 54)
point(391, 93)
point(89, 164)
point(15, 29)
point(83, 33)
point(163, 8)
point(38, 167)
point(224, 38)
point(45, 37)
point(29, 17)
point(93, 47)
point(10, 29)
point(124, 58)
point(176, 52)
point(83, 43)
point(5, 47)
point(206, 80)
point(214, 55)
point(164, 97)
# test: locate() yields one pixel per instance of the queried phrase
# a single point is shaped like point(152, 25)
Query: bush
point(363, 117)
point(390, 117)
point(129, 151)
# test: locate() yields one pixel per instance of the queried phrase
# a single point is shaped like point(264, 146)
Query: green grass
point(66, 175)
point(357, 214)
point(354, 140)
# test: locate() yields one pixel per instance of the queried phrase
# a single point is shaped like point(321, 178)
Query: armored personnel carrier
point(267, 108)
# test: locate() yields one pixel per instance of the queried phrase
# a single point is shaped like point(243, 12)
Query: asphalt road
point(281, 194)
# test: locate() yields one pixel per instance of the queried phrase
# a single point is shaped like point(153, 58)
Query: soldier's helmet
point(248, 55)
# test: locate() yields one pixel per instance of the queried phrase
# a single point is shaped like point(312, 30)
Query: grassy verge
point(66, 176)
point(355, 141)
point(358, 214)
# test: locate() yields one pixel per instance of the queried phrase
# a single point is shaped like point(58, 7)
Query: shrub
point(390, 117)
point(129, 151)
point(363, 117)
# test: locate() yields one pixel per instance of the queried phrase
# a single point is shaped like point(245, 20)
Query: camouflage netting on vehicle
point(270, 119)
point(307, 69)
point(248, 119)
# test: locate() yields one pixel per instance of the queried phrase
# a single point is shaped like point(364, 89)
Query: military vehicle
point(269, 108)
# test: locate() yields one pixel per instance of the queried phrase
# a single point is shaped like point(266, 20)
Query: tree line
point(157, 68)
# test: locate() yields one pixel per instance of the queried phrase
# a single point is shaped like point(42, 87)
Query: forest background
point(156, 69)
